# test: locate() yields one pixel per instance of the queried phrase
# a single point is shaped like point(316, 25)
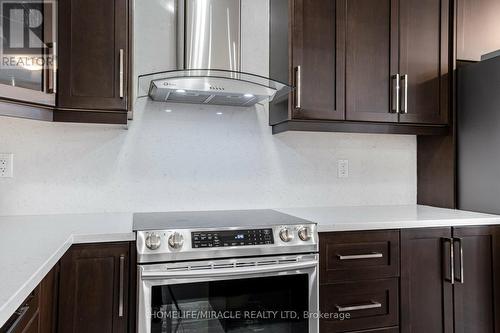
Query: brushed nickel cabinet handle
point(404, 101)
point(451, 258)
point(298, 82)
point(122, 93)
point(371, 305)
point(396, 92)
point(20, 315)
point(120, 296)
point(361, 256)
point(54, 67)
point(461, 254)
point(50, 74)
point(46, 86)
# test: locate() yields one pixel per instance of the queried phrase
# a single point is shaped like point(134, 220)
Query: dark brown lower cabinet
point(38, 312)
point(477, 292)
point(27, 317)
point(49, 288)
point(426, 292)
point(359, 281)
point(448, 279)
point(368, 305)
point(94, 289)
point(357, 256)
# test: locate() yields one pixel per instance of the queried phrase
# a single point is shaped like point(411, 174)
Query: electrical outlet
point(343, 168)
point(6, 165)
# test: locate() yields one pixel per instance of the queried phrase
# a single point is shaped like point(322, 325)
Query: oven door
point(265, 295)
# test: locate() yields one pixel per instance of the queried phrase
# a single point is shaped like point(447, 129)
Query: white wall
point(193, 158)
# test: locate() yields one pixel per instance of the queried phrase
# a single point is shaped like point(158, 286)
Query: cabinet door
point(371, 59)
point(478, 28)
point(48, 301)
point(93, 291)
point(426, 289)
point(93, 48)
point(318, 59)
point(424, 63)
point(477, 298)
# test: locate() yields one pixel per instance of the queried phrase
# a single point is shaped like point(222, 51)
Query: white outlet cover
point(343, 168)
point(6, 165)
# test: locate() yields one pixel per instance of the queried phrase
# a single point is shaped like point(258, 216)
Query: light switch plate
point(6, 165)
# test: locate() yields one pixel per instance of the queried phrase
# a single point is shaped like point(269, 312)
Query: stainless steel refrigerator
point(478, 121)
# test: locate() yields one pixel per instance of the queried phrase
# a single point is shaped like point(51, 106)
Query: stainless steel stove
point(226, 271)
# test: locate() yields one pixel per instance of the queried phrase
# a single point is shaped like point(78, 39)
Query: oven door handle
point(234, 271)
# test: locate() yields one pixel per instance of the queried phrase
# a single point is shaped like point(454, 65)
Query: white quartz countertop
point(31, 245)
point(388, 217)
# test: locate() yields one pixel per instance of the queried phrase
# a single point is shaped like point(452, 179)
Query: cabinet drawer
point(356, 306)
point(25, 319)
point(347, 256)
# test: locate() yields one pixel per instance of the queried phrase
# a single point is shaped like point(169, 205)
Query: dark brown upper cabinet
point(478, 28)
point(424, 61)
point(366, 66)
point(94, 289)
point(93, 55)
point(81, 72)
point(318, 69)
point(371, 59)
point(448, 277)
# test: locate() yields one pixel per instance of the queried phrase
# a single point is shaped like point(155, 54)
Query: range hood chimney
point(209, 61)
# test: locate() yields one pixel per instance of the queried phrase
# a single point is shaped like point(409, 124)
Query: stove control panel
point(208, 243)
point(228, 238)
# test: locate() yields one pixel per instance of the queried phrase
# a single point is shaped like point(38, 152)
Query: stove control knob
point(286, 235)
point(176, 240)
point(153, 240)
point(304, 234)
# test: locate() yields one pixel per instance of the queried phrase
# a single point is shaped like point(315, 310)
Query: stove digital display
point(207, 239)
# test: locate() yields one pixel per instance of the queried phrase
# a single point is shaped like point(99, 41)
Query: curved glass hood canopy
point(213, 87)
point(206, 59)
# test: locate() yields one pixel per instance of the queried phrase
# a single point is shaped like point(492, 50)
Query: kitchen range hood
point(208, 61)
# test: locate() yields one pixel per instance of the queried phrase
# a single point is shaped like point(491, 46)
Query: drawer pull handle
point(372, 305)
point(21, 313)
point(361, 256)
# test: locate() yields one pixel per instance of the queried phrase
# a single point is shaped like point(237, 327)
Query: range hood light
point(212, 87)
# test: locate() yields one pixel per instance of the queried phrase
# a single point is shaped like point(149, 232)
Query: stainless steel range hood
point(209, 61)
